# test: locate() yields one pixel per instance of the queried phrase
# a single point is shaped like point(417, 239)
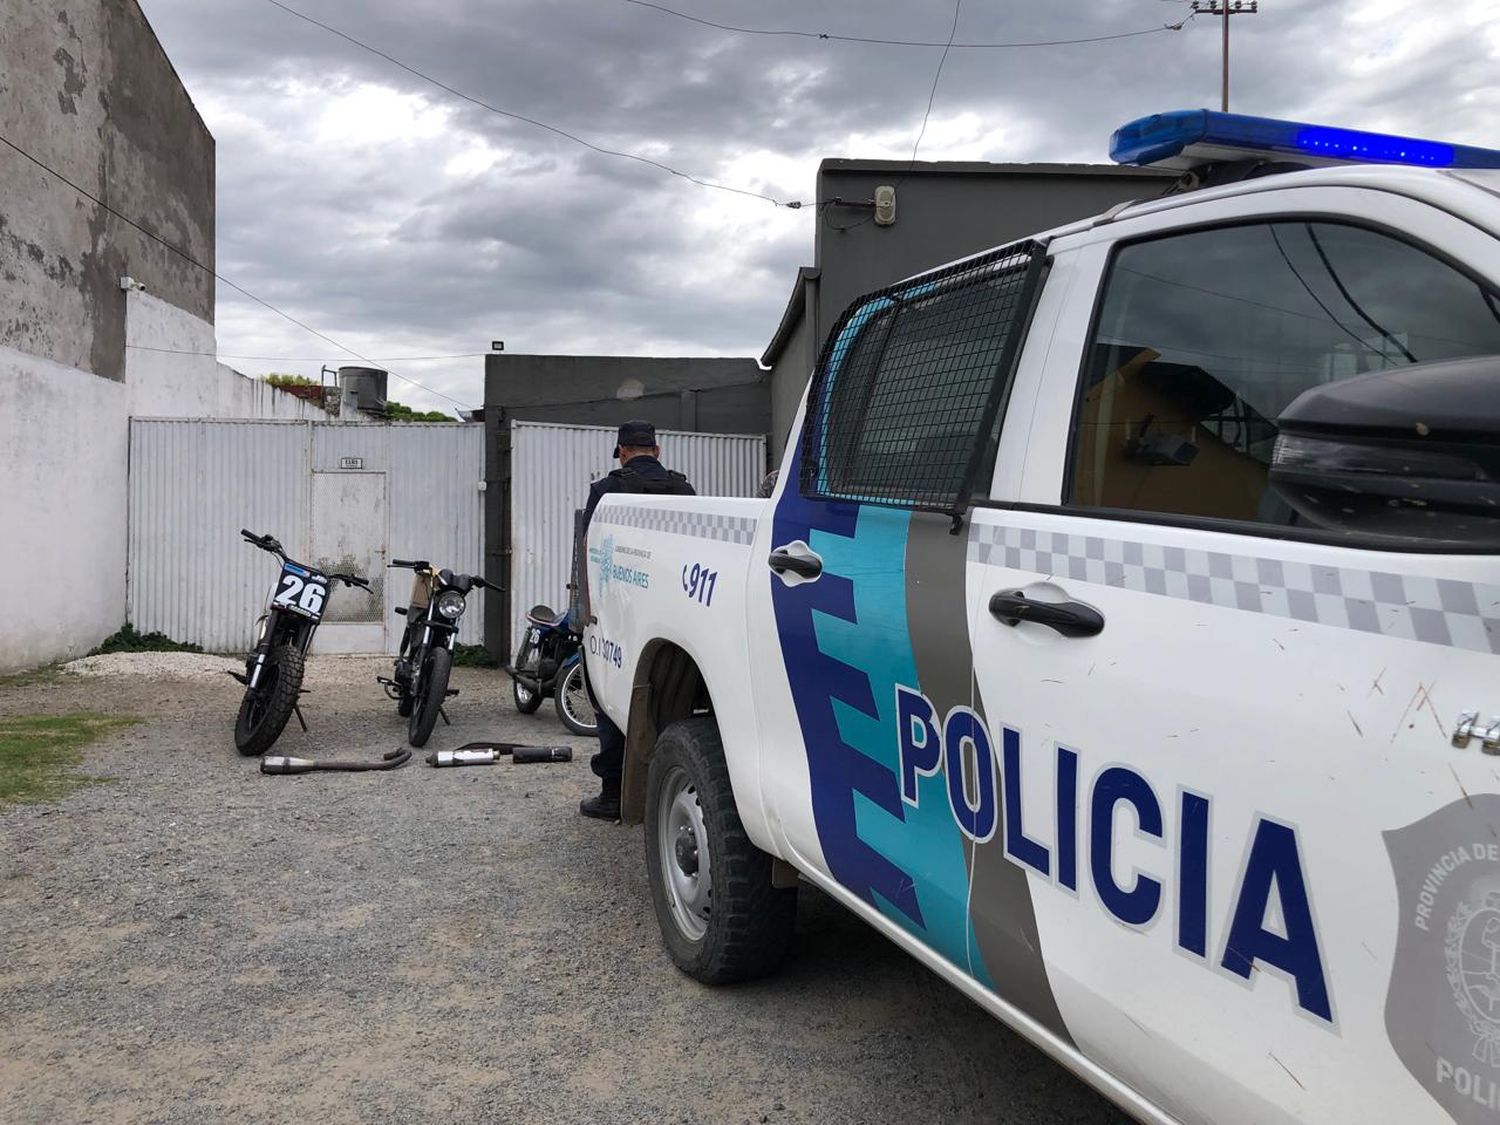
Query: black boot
point(606, 806)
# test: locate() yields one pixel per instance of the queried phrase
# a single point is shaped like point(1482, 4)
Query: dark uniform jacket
point(643, 473)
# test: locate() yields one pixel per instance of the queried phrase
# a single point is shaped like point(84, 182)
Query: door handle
point(783, 560)
point(1071, 619)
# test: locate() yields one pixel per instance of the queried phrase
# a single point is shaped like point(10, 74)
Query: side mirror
point(1412, 453)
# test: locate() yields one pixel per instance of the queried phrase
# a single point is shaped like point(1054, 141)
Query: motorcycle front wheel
point(265, 710)
point(527, 701)
point(573, 705)
point(433, 684)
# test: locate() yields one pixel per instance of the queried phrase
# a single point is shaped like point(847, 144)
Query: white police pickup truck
point(1123, 639)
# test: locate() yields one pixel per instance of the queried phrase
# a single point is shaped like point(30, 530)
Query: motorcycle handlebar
point(267, 542)
point(351, 580)
point(413, 564)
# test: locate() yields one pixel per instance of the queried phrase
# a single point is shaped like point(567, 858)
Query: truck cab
point(1122, 638)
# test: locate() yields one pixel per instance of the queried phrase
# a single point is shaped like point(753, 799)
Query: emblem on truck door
point(1442, 1010)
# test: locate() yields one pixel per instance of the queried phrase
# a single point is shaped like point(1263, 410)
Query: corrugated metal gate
point(551, 467)
point(345, 496)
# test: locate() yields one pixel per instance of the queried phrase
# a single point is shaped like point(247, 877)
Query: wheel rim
point(576, 699)
point(682, 842)
point(260, 703)
point(523, 696)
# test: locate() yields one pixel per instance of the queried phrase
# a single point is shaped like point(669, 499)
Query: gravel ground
point(196, 942)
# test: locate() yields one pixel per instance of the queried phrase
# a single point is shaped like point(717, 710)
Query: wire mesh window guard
point(907, 394)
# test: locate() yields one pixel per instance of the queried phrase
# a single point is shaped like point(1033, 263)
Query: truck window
point(906, 398)
point(1204, 338)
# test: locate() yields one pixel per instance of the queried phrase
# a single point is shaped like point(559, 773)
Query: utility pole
point(1225, 8)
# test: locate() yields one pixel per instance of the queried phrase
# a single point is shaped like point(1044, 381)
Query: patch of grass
point(473, 656)
point(38, 753)
point(128, 640)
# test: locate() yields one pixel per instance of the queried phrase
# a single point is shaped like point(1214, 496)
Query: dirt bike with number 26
point(283, 634)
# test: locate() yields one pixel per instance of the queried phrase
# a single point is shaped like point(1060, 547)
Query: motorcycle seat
point(544, 616)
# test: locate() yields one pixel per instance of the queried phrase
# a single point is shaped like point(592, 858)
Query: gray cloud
point(405, 221)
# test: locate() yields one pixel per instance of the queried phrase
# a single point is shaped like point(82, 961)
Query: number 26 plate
point(301, 591)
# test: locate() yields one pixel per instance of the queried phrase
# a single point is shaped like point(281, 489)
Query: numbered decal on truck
point(698, 583)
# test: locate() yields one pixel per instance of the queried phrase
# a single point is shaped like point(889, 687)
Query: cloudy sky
point(405, 221)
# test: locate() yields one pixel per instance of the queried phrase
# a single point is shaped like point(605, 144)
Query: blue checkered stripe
point(680, 521)
point(1414, 607)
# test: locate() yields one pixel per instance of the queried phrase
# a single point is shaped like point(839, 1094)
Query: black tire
point(264, 713)
point(527, 701)
point(574, 707)
point(434, 687)
point(746, 922)
point(406, 701)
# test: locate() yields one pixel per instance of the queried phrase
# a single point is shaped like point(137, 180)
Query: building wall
point(695, 394)
point(799, 354)
point(944, 210)
point(87, 90)
point(678, 393)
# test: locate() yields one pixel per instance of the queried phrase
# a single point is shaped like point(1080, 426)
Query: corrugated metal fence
point(343, 495)
point(551, 469)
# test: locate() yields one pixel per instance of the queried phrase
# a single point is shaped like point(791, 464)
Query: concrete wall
point(171, 371)
point(87, 90)
point(944, 210)
point(705, 395)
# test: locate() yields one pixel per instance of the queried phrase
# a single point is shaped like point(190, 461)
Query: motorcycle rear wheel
point(264, 711)
point(434, 686)
point(574, 707)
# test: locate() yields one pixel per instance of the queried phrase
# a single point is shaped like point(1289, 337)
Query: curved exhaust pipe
point(281, 763)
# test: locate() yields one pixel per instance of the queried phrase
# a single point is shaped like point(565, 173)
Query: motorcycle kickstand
point(297, 710)
point(443, 714)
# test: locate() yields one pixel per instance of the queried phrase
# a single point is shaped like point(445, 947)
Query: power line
point(932, 94)
point(185, 256)
point(603, 150)
point(900, 42)
point(482, 104)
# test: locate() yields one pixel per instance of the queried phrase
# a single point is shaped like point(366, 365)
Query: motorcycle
point(550, 662)
point(284, 632)
point(420, 683)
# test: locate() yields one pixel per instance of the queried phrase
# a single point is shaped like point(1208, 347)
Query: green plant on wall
point(398, 412)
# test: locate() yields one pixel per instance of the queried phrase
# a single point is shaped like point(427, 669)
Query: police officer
point(640, 471)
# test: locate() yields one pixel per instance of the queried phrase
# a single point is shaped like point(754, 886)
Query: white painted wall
point(64, 440)
point(62, 510)
point(172, 373)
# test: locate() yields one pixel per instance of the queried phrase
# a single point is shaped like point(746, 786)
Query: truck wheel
point(720, 917)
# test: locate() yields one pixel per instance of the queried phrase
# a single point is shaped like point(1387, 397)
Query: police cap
point(637, 434)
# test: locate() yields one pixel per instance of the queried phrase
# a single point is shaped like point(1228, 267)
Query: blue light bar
point(1196, 136)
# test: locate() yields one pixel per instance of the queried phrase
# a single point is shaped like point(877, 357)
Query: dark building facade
point(697, 394)
point(943, 210)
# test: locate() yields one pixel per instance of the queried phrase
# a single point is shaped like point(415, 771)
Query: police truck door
point(1223, 710)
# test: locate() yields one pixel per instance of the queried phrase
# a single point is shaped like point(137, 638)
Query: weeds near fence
point(128, 640)
point(473, 656)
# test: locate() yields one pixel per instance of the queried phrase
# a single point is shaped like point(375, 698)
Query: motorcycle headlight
point(450, 604)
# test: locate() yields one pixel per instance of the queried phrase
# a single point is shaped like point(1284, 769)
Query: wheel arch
point(668, 685)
